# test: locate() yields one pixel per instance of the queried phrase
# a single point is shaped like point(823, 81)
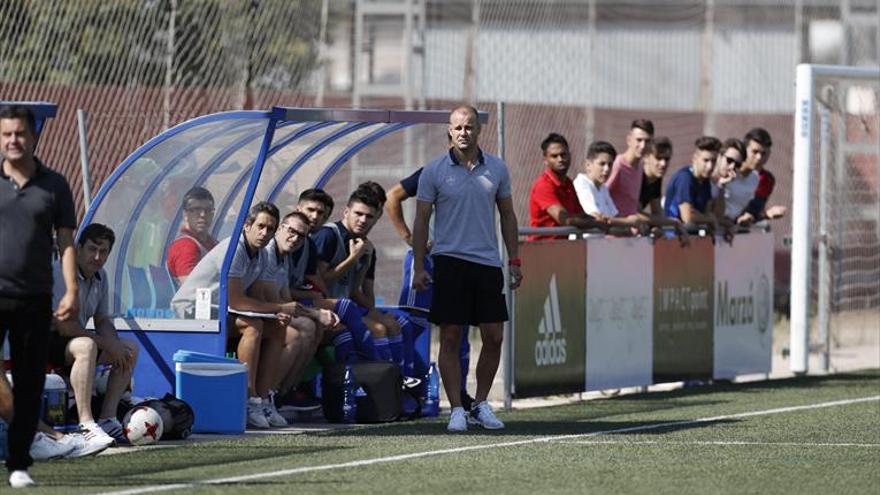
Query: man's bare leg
point(251, 331)
point(450, 365)
point(83, 353)
point(119, 380)
point(270, 356)
point(308, 329)
point(490, 356)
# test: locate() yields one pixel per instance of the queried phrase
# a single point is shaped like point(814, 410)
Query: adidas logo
point(550, 347)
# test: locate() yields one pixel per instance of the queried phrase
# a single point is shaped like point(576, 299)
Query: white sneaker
point(256, 418)
point(481, 414)
point(95, 437)
point(457, 420)
point(45, 447)
point(20, 479)
point(82, 448)
point(274, 419)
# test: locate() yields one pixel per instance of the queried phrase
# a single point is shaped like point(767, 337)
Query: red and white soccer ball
point(143, 425)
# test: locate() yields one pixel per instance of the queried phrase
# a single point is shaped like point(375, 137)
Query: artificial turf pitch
point(766, 437)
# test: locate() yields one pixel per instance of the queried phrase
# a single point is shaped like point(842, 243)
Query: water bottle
point(55, 402)
point(349, 402)
point(431, 406)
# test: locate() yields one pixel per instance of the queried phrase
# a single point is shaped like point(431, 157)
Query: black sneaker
point(466, 400)
point(296, 400)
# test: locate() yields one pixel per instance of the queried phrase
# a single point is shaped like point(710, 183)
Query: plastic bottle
point(431, 406)
point(55, 402)
point(349, 402)
point(3, 439)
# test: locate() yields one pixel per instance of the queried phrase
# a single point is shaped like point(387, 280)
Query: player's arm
point(562, 217)
point(510, 234)
point(394, 207)
point(689, 214)
point(239, 300)
point(421, 279)
point(68, 307)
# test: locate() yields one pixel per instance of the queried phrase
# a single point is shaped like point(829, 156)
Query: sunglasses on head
point(732, 161)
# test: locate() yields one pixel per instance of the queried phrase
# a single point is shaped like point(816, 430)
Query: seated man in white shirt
point(592, 192)
point(74, 347)
point(255, 327)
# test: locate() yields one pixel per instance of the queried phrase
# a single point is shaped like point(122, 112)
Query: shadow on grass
point(126, 470)
point(532, 428)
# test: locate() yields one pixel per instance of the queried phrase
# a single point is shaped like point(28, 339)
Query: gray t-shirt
point(93, 293)
point(207, 275)
point(464, 206)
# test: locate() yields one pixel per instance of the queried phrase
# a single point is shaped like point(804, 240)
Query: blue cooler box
point(216, 388)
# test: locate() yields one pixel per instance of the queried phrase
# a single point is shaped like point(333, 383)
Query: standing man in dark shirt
point(34, 201)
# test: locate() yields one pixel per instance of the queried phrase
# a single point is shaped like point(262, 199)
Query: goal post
point(835, 205)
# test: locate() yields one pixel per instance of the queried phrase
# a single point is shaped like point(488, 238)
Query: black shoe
point(297, 400)
point(466, 401)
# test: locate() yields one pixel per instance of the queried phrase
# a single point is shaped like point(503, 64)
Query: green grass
point(788, 455)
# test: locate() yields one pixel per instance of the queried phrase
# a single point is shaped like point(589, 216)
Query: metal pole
point(823, 280)
point(169, 65)
point(800, 221)
point(507, 349)
point(322, 54)
point(84, 157)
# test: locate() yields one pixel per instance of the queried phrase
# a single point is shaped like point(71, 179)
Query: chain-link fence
point(583, 68)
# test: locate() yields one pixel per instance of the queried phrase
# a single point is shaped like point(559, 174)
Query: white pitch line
point(432, 453)
point(721, 443)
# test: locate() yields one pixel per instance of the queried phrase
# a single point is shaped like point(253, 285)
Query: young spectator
point(259, 339)
point(758, 145)
point(592, 192)
point(625, 181)
point(733, 184)
point(553, 201)
point(72, 345)
point(656, 162)
point(194, 239)
point(689, 191)
point(35, 201)
point(463, 187)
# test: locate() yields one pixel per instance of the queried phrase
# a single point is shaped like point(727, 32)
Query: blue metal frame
point(157, 140)
point(239, 222)
point(239, 182)
point(125, 238)
point(318, 146)
point(347, 153)
point(213, 164)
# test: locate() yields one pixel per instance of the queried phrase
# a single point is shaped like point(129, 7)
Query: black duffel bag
point(377, 389)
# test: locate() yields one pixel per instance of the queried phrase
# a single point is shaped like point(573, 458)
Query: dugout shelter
point(241, 157)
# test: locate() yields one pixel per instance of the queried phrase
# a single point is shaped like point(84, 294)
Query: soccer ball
point(143, 426)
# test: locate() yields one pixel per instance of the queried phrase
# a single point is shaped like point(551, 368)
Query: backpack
point(378, 386)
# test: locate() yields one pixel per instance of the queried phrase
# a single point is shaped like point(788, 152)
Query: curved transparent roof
point(239, 157)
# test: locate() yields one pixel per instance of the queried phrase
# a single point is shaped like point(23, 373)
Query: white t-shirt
point(206, 274)
point(594, 199)
point(737, 194)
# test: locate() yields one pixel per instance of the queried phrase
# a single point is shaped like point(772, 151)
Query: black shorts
point(58, 349)
point(467, 293)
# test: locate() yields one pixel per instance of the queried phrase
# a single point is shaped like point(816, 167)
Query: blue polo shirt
point(685, 188)
point(464, 206)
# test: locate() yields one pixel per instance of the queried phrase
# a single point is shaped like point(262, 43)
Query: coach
point(34, 200)
point(463, 187)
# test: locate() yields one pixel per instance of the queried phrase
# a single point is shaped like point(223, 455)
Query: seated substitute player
point(593, 194)
point(758, 145)
point(553, 201)
point(73, 346)
point(194, 239)
point(347, 264)
point(288, 255)
point(690, 191)
point(260, 337)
